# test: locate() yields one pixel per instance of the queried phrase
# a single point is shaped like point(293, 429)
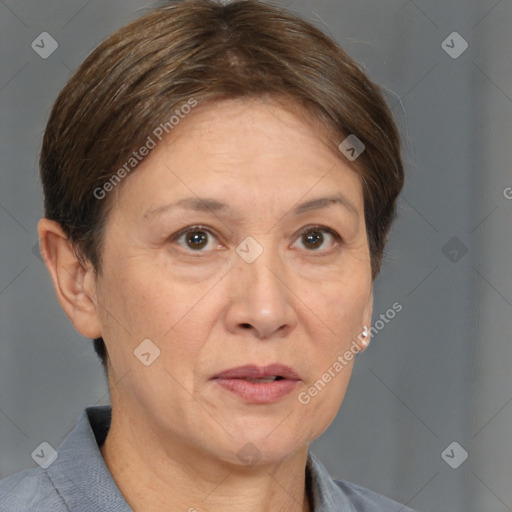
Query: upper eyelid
point(338, 240)
point(331, 231)
point(175, 237)
point(190, 229)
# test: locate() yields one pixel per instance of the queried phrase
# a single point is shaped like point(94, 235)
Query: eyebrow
point(191, 203)
point(213, 205)
point(322, 202)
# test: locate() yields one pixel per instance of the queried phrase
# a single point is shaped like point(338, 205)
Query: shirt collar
point(82, 478)
point(324, 493)
point(80, 474)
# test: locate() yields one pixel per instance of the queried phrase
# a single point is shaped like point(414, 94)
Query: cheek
point(339, 304)
point(142, 302)
point(321, 399)
point(334, 319)
point(147, 299)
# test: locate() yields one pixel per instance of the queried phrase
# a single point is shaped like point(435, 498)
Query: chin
point(255, 447)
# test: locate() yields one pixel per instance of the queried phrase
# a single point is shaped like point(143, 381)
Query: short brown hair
point(202, 49)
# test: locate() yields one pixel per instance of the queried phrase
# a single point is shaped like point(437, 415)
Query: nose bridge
point(261, 298)
point(266, 277)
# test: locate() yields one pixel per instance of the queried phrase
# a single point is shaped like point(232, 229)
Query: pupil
point(313, 239)
point(197, 239)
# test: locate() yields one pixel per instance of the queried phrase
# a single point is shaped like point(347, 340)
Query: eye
point(317, 237)
point(197, 238)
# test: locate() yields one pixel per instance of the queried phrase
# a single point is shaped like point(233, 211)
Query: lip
point(233, 380)
point(252, 371)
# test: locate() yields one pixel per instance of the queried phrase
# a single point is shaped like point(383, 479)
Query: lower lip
point(258, 392)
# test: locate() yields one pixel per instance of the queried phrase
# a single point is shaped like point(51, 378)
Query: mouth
point(253, 373)
point(257, 384)
point(265, 379)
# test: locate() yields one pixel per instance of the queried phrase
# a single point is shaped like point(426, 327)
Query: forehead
point(242, 127)
point(245, 151)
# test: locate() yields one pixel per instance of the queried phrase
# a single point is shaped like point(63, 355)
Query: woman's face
point(239, 241)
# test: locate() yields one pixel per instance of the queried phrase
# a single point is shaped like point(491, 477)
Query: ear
point(73, 281)
point(367, 321)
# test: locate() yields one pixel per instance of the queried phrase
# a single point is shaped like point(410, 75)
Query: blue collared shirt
point(78, 480)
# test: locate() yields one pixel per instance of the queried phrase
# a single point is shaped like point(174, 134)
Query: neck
point(165, 474)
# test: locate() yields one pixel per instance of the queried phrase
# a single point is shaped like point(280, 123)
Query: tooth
point(265, 379)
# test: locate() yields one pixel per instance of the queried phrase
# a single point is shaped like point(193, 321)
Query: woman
point(219, 183)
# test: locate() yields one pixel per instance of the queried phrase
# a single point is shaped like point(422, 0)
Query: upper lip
point(252, 371)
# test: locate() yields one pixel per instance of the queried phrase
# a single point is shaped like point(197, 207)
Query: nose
point(261, 301)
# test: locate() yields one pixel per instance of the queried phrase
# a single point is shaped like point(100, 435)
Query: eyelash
point(191, 229)
point(323, 229)
point(307, 229)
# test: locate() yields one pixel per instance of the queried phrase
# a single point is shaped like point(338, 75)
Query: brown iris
point(313, 239)
point(197, 239)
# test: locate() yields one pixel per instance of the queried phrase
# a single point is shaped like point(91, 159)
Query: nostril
point(246, 326)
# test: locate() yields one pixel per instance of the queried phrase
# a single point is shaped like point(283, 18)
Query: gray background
point(438, 372)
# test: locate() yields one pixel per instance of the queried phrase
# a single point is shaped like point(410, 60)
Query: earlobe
point(365, 335)
point(72, 279)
